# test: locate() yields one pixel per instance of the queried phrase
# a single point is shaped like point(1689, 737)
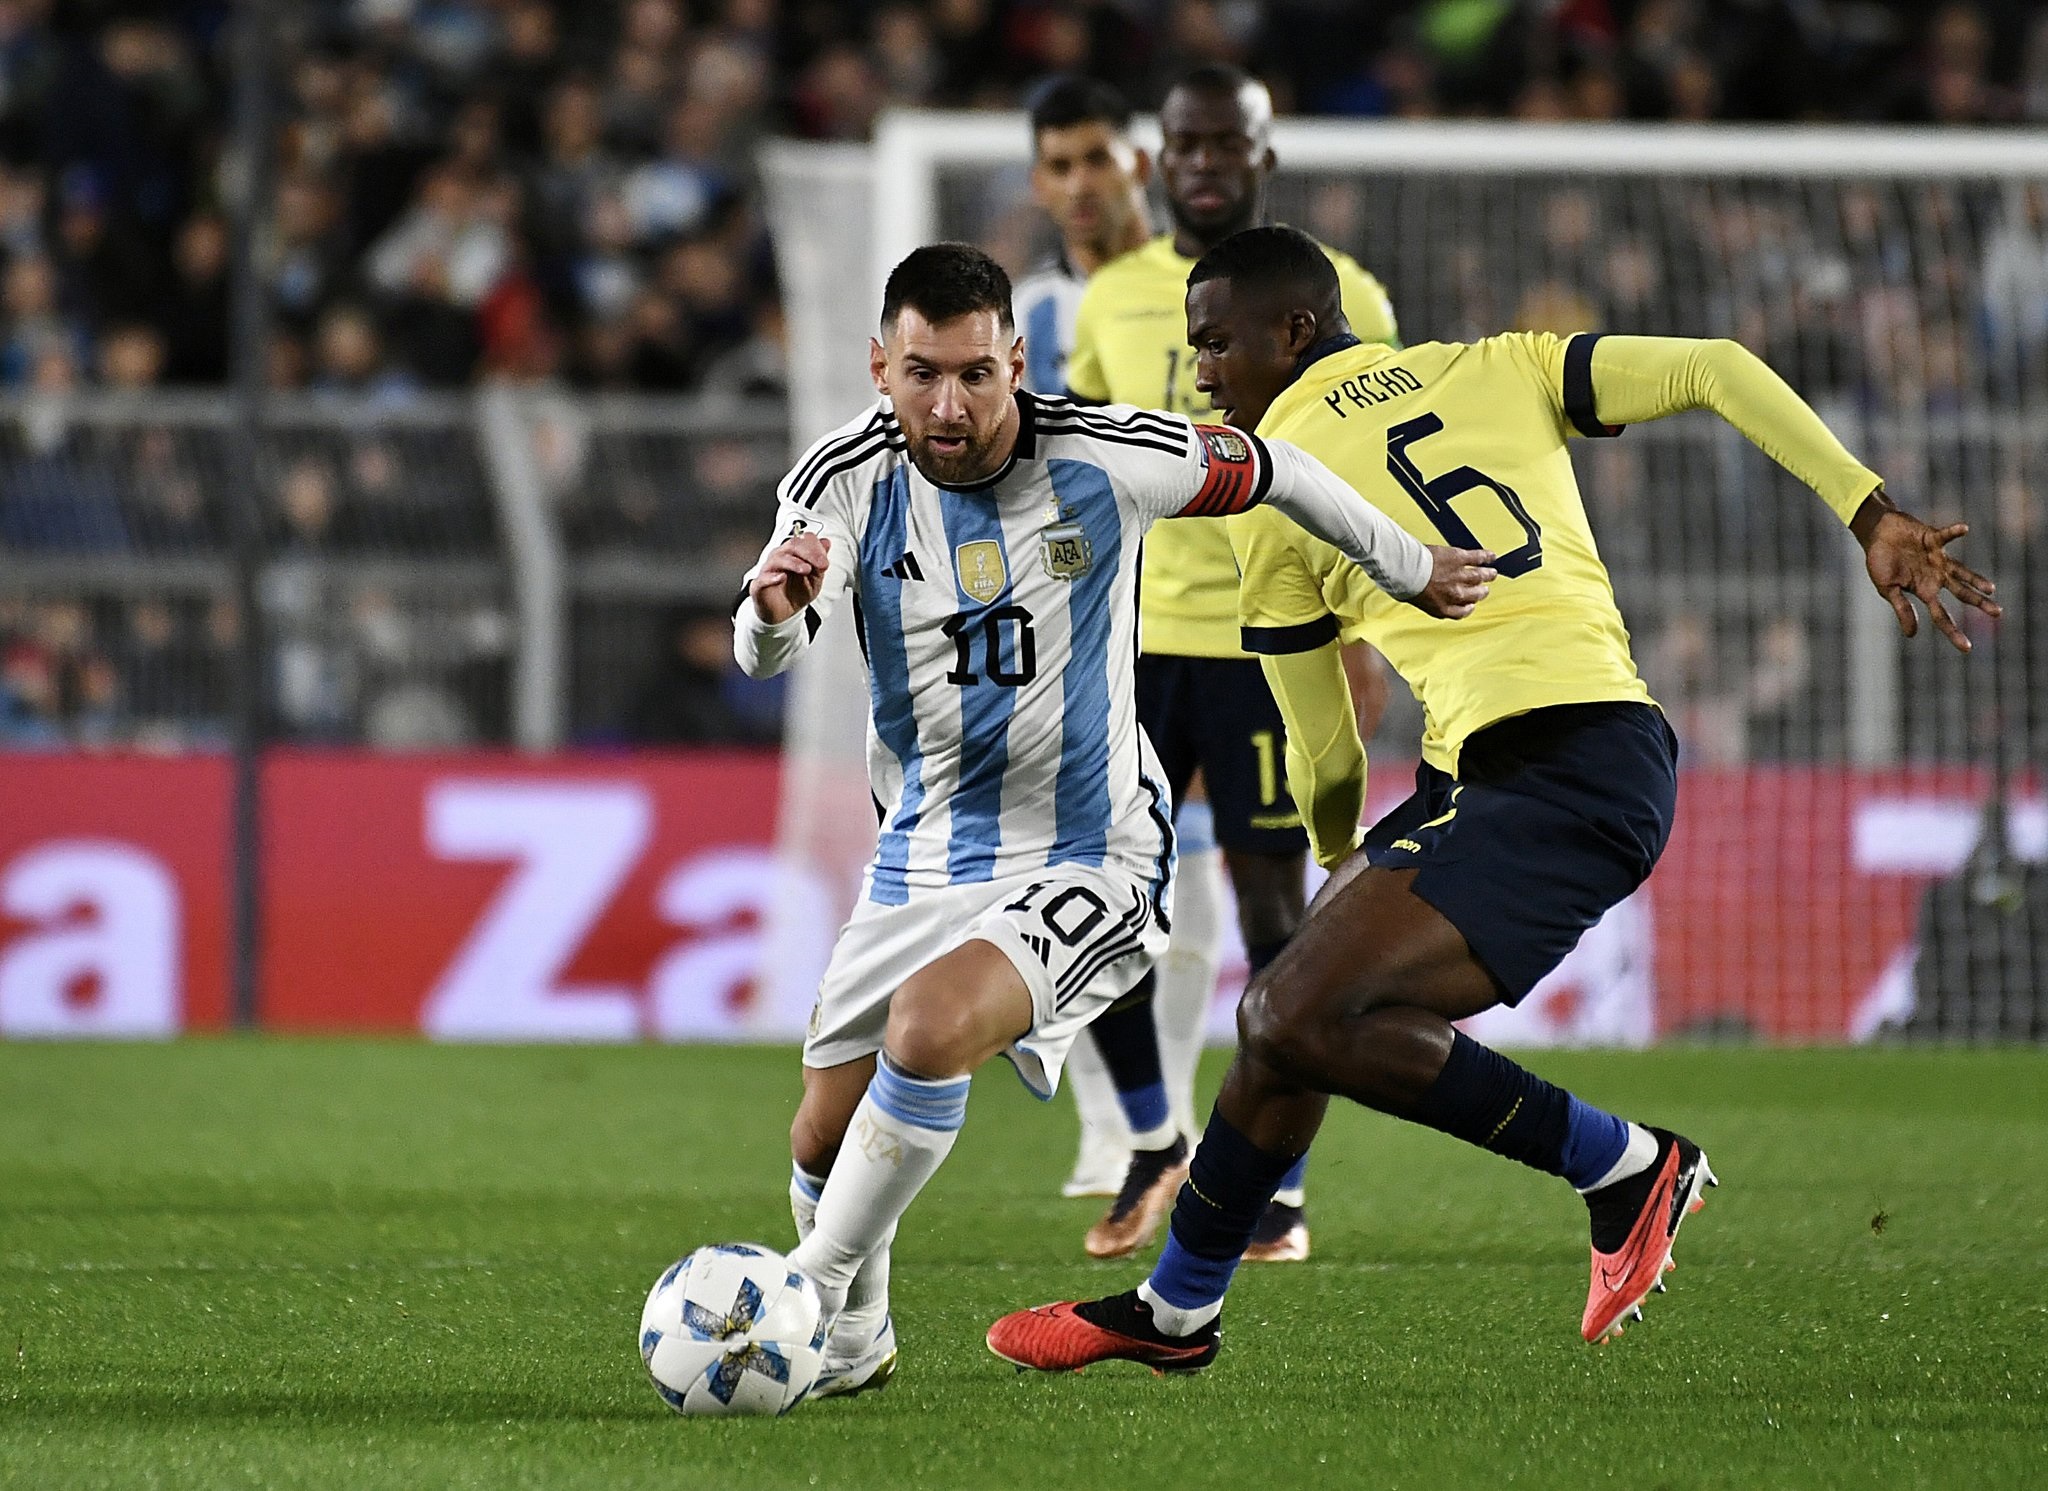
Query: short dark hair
point(944, 280)
point(1277, 260)
point(1213, 77)
point(1069, 99)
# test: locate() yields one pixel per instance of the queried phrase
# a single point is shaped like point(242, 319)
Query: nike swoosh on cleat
point(1612, 1278)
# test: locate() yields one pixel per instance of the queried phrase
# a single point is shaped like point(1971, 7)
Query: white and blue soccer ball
point(733, 1329)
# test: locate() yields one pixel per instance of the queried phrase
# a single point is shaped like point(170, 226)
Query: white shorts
point(1081, 936)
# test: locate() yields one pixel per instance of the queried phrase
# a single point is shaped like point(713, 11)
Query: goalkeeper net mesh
point(1860, 826)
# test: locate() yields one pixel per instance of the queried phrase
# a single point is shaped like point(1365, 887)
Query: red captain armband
point(1236, 473)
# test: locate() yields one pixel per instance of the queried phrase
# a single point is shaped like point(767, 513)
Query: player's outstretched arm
point(1908, 557)
point(1637, 378)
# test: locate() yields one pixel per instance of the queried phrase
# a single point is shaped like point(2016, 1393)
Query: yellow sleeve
point(1085, 376)
point(1286, 623)
point(1325, 757)
point(1608, 381)
point(1366, 305)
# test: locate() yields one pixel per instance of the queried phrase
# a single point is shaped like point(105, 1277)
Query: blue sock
point(1487, 1100)
point(1229, 1183)
point(1129, 1042)
point(1292, 1180)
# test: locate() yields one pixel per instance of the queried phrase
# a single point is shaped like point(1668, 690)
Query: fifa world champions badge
point(980, 567)
point(1066, 551)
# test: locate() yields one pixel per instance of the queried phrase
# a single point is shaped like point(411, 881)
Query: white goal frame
point(913, 146)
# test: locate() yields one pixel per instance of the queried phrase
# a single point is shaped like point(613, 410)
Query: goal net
point(1860, 825)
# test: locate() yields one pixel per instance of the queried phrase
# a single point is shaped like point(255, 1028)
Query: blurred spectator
point(688, 698)
point(196, 309)
point(349, 359)
point(131, 357)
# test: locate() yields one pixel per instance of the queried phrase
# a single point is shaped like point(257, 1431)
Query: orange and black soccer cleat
point(1280, 1237)
point(1069, 1336)
point(1150, 1184)
point(1635, 1223)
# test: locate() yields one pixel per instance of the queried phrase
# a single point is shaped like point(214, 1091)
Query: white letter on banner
point(574, 845)
point(124, 951)
point(694, 992)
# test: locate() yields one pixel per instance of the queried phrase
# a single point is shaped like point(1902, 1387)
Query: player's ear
point(1017, 363)
point(1141, 167)
point(878, 365)
point(1301, 332)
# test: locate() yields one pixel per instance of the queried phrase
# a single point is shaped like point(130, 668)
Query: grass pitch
point(259, 1263)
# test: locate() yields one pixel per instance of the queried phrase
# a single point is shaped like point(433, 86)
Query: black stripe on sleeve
point(1578, 388)
point(811, 623)
point(1265, 483)
point(1278, 641)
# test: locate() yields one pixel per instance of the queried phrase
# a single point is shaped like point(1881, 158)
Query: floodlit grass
point(268, 1263)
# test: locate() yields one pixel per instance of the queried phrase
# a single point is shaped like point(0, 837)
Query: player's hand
point(1908, 557)
point(1457, 584)
point(790, 577)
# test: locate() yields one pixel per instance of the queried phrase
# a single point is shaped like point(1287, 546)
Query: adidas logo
point(1040, 945)
point(905, 568)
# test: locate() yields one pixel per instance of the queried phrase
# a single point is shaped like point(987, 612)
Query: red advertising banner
point(610, 898)
point(500, 898)
point(113, 895)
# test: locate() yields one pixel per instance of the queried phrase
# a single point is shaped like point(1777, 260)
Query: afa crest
point(1226, 445)
point(1066, 550)
point(980, 567)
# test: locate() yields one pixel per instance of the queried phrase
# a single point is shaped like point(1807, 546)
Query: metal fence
point(506, 569)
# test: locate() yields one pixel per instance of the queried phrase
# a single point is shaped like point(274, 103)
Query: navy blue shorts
point(1216, 715)
point(1554, 816)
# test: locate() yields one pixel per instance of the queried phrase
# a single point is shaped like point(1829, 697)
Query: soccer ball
point(733, 1329)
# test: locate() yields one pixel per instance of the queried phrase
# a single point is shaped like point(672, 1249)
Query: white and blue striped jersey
point(999, 626)
point(1044, 303)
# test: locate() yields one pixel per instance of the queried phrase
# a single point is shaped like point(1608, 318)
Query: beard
point(960, 468)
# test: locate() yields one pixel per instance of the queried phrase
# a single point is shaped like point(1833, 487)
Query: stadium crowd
point(564, 196)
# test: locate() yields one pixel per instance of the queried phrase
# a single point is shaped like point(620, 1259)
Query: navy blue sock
point(1129, 1042)
point(1230, 1181)
point(1487, 1100)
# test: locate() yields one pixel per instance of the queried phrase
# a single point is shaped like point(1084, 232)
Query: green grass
point(261, 1263)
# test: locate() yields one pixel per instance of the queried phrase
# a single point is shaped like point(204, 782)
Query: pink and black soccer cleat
point(1072, 1335)
point(1635, 1223)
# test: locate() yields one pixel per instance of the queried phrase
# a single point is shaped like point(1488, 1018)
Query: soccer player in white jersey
point(1089, 177)
point(989, 540)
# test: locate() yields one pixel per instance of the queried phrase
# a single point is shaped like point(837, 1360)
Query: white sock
point(1187, 977)
point(901, 1133)
point(1172, 1320)
point(1636, 1157)
point(804, 1190)
point(1161, 1137)
point(867, 1298)
point(1102, 1117)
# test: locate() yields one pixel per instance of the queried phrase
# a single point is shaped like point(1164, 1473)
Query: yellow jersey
point(1464, 445)
point(1131, 347)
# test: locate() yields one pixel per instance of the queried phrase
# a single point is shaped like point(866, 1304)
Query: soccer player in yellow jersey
point(1548, 777)
point(1201, 699)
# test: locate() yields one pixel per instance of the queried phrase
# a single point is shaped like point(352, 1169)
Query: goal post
point(1898, 278)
